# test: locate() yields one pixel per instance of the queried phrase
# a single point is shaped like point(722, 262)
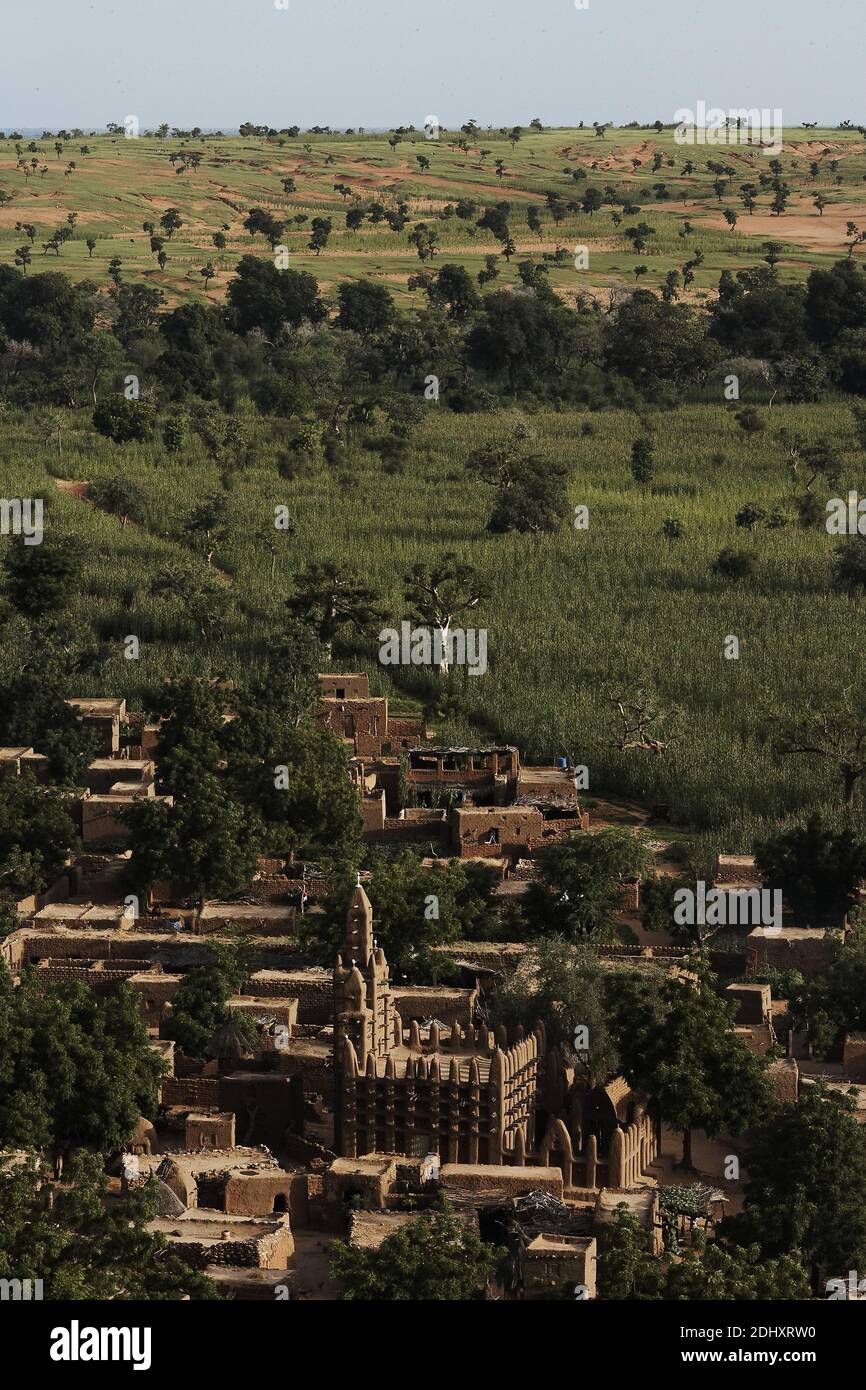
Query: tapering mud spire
point(359, 927)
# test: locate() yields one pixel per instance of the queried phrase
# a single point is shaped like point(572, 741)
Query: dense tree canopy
point(627, 1269)
point(817, 869)
point(263, 297)
point(76, 1070)
point(200, 1006)
point(564, 986)
point(677, 1043)
point(36, 835)
point(206, 842)
point(523, 342)
point(806, 1184)
point(578, 889)
point(39, 578)
point(415, 910)
point(436, 1257)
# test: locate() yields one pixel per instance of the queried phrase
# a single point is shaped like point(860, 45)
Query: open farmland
point(120, 184)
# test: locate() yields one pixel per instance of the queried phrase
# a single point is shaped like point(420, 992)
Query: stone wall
point(272, 1250)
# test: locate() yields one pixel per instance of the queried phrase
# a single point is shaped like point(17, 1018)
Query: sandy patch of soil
point(73, 489)
point(48, 207)
point(813, 149)
point(807, 228)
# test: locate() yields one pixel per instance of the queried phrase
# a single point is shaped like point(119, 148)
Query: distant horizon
point(214, 128)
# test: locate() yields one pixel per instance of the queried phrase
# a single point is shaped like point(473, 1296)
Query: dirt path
point(79, 490)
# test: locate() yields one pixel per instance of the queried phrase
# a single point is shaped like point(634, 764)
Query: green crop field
point(567, 613)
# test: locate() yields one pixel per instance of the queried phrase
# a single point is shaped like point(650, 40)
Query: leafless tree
point(642, 719)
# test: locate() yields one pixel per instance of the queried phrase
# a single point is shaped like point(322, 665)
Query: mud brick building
point(478, 776)
point(552, 1259)
point(110, 783)
point(469, 1096)
point(203, 1239)
point(347, 709)
point(106, 718)
point(239, 1181)
point(349, 687)
point(511, 831)
point(17, 761)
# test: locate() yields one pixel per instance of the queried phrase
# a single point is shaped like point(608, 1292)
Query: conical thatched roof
point(228, 1043)
point(169, 1202)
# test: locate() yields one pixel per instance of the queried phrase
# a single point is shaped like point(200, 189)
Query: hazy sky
point(389, 62)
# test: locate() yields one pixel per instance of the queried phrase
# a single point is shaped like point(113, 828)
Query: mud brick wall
point(449, 1006)
point(273, 889)
point(854, 1056)
point(515, 831)
point(354, 687)
point(194, 1091)
point(314, 994)
point(256, 1194)
point(753, 1002)
point(316, 888)
point(13, 951)
point(365, 721)
point(406, 731)
point(806, 953)
point(619, 951)
point(555, 829)
point(397, 830)
point(373, 812)
point(284, 1011)
point(630, 899)
point(509, 1181)
point(283, 926)
point(100, 981)
point(487, 955)
point(474, 851)
point(316, 1075)
point(98, 878)
point(56, 947)
point(785, 1076)
point(155, 990)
